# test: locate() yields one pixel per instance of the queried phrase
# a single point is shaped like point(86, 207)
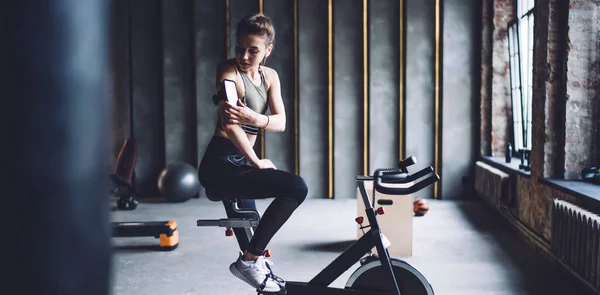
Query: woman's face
point(250, 50)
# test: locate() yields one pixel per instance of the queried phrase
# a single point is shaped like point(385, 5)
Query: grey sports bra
point(255, 97)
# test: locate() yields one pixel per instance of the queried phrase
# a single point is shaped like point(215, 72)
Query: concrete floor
point(462, 247)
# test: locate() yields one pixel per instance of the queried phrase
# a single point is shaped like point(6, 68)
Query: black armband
point(219, 96)
point(215, 99)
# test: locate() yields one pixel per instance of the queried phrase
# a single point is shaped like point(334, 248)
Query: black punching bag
point(54, 147)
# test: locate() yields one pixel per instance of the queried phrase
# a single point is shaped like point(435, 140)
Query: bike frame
point(373, 238)
point(319, 285)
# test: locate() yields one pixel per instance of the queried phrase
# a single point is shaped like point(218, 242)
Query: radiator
point(576, 240)
point(492, 184)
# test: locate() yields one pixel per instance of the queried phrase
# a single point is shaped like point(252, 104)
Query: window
point(520, 45)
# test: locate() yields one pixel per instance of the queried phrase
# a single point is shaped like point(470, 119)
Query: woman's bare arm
point(277, 120)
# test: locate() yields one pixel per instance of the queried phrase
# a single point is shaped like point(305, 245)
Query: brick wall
point(566, 88)
point(583, 78)
point(528, 200)
point(566, 103)
point(501, 98)
point(554, 90)
point(540, 76)
point(485, 144)
point(534, 204)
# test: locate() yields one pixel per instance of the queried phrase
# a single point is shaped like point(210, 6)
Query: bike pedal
point(368, 259)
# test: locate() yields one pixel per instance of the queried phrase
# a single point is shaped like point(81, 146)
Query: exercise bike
point(377, 274)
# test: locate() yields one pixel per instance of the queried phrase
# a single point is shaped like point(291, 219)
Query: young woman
point(230, 165)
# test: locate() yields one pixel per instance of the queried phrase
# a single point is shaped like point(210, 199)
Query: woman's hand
point(240, 114)
point(265, 164)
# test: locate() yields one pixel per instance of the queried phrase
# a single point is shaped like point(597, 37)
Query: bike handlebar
point(399, 178)
point(395, 176)
point(404, 163)
point(400, 175)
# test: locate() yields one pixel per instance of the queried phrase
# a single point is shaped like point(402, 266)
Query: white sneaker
point(258, 274)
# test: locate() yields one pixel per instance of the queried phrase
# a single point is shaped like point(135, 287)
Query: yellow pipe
point(330, 92)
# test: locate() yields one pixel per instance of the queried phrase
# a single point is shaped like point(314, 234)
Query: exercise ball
point(178, 182)
point(420, 207)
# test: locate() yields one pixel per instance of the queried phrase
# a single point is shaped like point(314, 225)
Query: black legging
point(224, 170)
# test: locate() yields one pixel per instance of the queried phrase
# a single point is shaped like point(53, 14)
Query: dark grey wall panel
point(420, 50)
point(313, 89)
point(348, 96)
point(384, 34)
point(178, 76)
point(147, 82)
point(280, 147)
point(210, 49)
point(118, 77)
point(459, 125)
point(169, 78)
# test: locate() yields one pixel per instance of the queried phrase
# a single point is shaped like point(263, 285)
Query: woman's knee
point(300, 189)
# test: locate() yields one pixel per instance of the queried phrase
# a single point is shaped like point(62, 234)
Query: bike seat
point(233, 206)
point(215, 195)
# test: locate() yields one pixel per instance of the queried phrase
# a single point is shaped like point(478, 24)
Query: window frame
point(514, 25)
point(526, 120)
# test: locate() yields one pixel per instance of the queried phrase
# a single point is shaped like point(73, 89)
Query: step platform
point(165, 231)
